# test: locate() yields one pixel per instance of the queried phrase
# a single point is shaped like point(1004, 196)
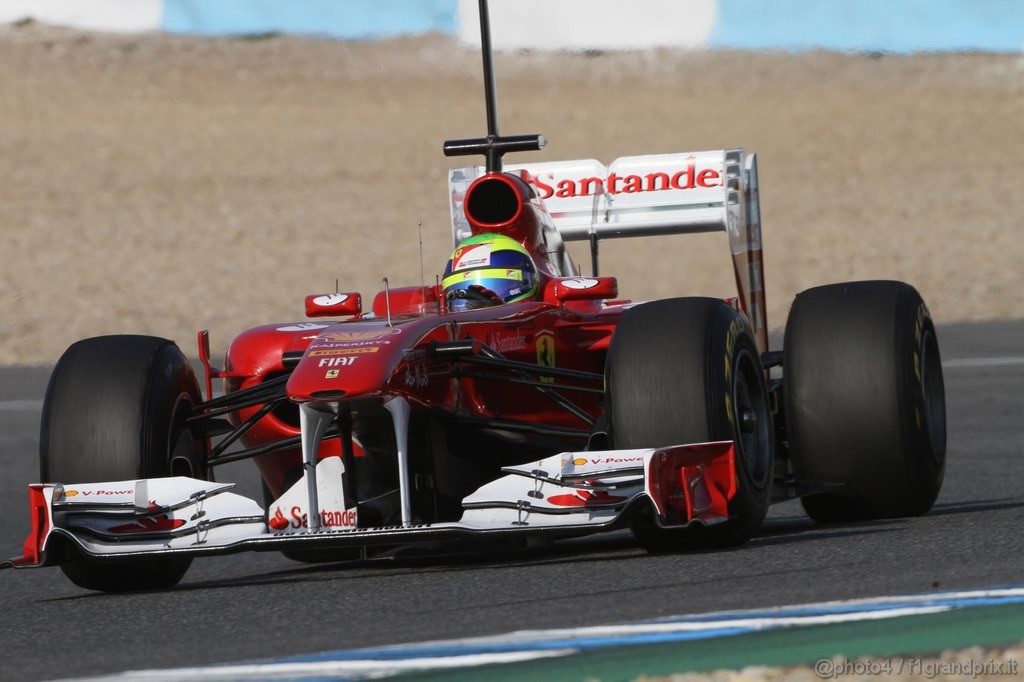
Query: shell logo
point(579, 461)
point(358, 336)
point(70, 493)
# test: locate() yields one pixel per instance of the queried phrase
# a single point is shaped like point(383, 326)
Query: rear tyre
point(687, 370)
point(865, 402)
point(115, 410)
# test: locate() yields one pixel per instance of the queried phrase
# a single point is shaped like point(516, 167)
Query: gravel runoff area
point(976, 663)
point(160, 184)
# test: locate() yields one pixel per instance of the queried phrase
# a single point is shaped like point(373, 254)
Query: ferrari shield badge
point(545, 343)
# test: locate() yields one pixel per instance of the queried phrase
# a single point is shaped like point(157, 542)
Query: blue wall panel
point(334, 18)
point(858, 25)
point(871, 25)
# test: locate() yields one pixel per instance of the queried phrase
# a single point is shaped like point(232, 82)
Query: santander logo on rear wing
point(650, 195)
point(634, 195)
point(590, 177)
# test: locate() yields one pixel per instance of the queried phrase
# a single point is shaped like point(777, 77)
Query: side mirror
point(333, 305)
point(565, 289)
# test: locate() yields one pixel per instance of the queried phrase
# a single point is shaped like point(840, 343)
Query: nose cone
point(349, 360)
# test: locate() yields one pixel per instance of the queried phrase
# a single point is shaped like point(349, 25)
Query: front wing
point(572, 493)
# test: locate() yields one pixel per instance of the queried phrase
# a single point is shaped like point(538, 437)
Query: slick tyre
point(687, 370)
point(115, 410)
point(865, 402)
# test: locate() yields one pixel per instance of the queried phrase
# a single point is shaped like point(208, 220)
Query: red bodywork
point(361, 362)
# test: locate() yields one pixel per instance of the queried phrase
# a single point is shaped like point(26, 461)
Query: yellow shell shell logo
point(579, 461)
point(70, 493)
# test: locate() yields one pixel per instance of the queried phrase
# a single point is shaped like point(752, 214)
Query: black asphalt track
point(262, 605)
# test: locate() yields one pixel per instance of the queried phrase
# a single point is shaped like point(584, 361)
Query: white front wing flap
point(685, 483)
point(579, 492)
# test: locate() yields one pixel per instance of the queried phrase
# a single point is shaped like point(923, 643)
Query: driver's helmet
point(487, 270)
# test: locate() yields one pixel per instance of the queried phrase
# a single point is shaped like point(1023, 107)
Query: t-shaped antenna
point(494, 146)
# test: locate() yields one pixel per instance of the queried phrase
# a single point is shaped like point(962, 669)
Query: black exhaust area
point(492, 202)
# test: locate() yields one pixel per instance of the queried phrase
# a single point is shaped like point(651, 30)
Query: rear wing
point(646, 196)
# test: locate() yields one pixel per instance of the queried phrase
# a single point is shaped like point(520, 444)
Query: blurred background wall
point(860, 25)
point(159, 182)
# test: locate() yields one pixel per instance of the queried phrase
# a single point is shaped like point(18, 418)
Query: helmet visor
point(486, 287)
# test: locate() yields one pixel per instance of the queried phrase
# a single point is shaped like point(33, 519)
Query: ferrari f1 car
point(568, 412)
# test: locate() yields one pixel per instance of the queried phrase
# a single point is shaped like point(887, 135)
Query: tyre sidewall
point(669, 381)
point(169, 398)
point(923, 454)
point(749, 506)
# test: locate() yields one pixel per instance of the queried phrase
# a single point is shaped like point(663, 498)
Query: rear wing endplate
point(646, 196)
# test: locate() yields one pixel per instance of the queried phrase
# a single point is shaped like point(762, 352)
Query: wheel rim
point(933, 394)
point(181, 454)
point(751, 417)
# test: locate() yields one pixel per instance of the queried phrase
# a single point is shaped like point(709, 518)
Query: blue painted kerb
point(351, 19)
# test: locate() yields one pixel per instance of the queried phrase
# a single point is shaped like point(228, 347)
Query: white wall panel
point(95, 15)
point(591, 24)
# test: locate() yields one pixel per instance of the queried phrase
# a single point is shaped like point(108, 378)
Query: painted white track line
point(524, 645)
point(352, 670)
point(21, 405)
point(37, 405)
point(959, 363)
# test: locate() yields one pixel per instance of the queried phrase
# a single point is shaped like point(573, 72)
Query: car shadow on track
point(999, 504)
point(785, 535)
point(616, 547)
point(330, 573)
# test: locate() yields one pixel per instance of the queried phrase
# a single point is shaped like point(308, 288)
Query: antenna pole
point(423, 280)
point(490, 89)
point(494, 146)
point(419, 226)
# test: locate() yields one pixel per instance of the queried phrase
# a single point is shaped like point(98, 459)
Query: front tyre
point(687, 370)
point(865, 401)
point(115, 410)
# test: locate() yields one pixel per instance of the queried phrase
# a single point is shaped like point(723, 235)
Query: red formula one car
point(515, 398)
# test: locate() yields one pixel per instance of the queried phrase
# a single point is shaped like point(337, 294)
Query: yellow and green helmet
point(488, 269)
